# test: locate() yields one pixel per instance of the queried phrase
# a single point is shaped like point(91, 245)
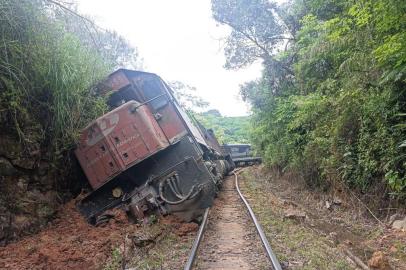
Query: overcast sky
point(178, 40)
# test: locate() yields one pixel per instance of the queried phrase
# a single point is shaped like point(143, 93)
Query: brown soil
point(230, 241)
point(71, 243)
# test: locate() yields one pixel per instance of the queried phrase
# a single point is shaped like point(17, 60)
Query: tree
point(186, 96)
point(257, 31)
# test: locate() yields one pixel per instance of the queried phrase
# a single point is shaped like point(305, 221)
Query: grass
point(168, 252)
point(115, 260)
point(301, 246)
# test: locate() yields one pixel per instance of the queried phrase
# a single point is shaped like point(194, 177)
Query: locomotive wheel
point(103, 219)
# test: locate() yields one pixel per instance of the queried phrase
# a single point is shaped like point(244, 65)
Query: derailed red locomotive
point(146, 155)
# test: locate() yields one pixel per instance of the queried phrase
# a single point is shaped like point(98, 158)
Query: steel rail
point(196, 243)
point(275, 263)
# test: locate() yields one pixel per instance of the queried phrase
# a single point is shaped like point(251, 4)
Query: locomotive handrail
point(150, 100)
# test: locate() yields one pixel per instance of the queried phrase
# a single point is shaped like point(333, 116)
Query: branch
point(261, 47)
point(356, 260)
point(69, 10)
point(81, 17)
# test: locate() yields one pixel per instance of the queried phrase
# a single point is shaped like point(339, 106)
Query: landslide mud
point(71, 243)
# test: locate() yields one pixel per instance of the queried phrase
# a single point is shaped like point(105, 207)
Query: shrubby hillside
point(227, 129)
point(51, 59)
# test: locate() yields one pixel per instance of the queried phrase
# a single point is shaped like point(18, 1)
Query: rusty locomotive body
point(146, 155)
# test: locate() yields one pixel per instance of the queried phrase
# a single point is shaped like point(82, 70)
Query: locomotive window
point(121, 96)
point(151, 88)
point(240, 149)
point(244, 149)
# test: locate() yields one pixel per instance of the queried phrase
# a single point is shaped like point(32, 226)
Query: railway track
point(227, 247)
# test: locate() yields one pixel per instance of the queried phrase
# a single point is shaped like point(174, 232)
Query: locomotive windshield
point(144, 89)
point(153, 91)
point(122, 96)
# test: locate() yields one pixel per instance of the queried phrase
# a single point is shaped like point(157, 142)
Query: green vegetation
point(331, 102)
point(227, 129)
point(291, 240)
point(115, 261)
point(51, 59)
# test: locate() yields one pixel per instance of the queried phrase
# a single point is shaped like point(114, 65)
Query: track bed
point(230, 240)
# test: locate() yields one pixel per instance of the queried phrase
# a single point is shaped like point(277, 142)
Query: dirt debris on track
point(306, 234)
point(230, 240)
point(71, 243)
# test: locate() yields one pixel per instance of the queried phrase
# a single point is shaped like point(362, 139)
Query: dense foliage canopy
point(331, 102)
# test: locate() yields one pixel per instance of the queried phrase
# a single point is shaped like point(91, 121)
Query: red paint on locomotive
point(118, 140)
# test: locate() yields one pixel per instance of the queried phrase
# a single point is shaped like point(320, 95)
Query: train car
point(241, 154)
point(146, 155)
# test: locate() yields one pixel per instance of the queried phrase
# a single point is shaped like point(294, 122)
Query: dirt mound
point(180, 228)
point(186, 228)
point(69, 243)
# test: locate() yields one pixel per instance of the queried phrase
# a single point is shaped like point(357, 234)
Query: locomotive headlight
point(117, 192)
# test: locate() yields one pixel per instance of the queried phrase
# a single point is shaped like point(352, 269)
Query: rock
point(22, 184)
point(21, 222)
point(288, 203)
point(348, 242)
point(393, 249)
point(45, 211)
point(142, 242)
point(292, 264)
point(334, 202)
point(399, 224)
point(393, 218)
point(328, 205)
point(337, 201)
point(43, 168)
point(6, 168)
point(295, 214)
point(333, 237)
point(5, 220)
point(27, 163)
point(379, 261)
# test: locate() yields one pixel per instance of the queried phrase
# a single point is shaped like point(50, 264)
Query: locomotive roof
point(130, 72)
point(238, 145)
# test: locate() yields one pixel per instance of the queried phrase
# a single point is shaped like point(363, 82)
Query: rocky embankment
point(28, 189)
